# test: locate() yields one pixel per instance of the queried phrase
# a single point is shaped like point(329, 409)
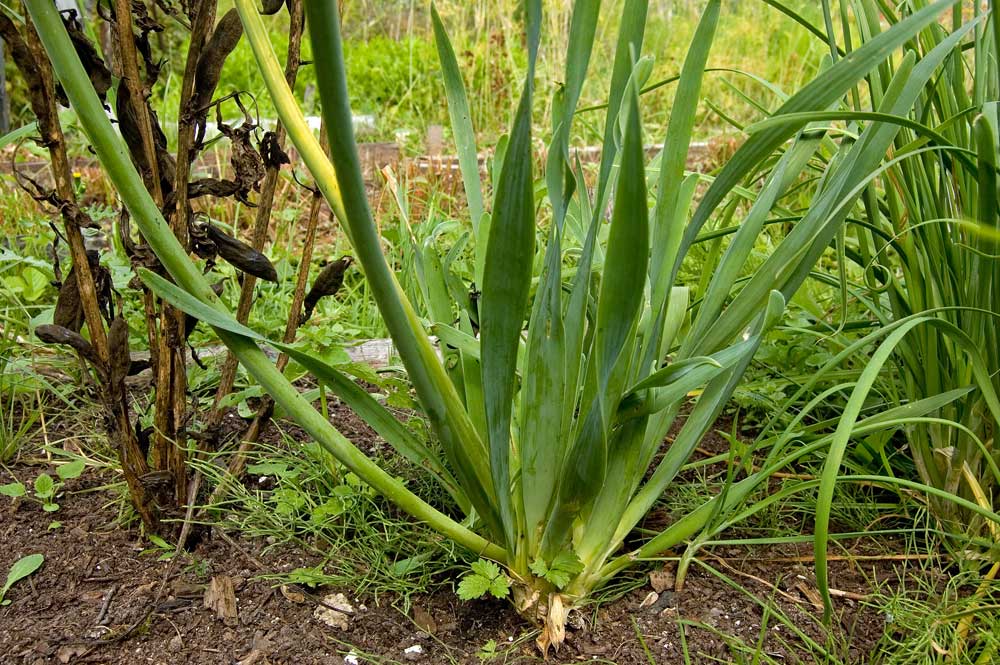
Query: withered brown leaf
point(119, 359)
point(224, 39)
point(128, 124)
point(53, 334)
point(327, 283)
point(271, 152)
point(93, 63)
point(240, 255)
point(271, 6)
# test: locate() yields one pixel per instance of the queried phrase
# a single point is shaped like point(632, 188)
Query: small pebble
point(415, 652)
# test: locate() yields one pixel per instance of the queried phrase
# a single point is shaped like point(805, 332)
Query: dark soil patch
point(96, 584)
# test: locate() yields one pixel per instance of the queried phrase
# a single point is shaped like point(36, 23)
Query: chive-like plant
point(560, 381)
point(925, 246)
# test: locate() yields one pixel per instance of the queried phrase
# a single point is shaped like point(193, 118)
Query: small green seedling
point(485, 576)
point(46, 487)
point(564, 567)
point(22, 568)
point(165, 550)
point(488, 651)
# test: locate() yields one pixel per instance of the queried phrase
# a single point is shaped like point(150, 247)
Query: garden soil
point(99, 598)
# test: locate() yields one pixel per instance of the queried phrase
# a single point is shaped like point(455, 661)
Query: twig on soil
point(833, 592)
point(153, 608)
point(102, 616)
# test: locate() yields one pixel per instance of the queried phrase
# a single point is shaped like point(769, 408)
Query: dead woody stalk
point(154, 459)
point(85, 295)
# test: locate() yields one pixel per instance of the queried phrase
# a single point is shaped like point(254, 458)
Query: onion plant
point(925, 244)
point(559, 383)
point(931, 243)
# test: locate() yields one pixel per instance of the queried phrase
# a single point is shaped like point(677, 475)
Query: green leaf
point(22, 568)
point(35, 284)
point(506, 281)
point(461, 122)
point(50, 506)
point(500, 587)
point(71, 470)
point(268, 469)
point(567, 562)
point(486, 568)
point(13, 490)
point(539, 567)
point(558, 578)
point(473, 586)
point(17, 134)
point(331, 508)
point(287, 501)
point(45, 486)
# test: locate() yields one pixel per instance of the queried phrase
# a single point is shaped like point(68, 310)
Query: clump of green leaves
point(22, 568)
point(486, 577)
point(564, 567)
point(46, 488)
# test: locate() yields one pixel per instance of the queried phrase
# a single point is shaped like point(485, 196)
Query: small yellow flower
point(77, 174)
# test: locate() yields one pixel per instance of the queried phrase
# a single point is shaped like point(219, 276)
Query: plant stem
point(148, 217)
point(30, 58)
point(227, 375)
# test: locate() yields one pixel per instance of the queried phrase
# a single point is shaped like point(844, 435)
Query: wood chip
point(294, 596)
point(220, 597)
point(810, 594)
point(424, 620)
point(661, 580)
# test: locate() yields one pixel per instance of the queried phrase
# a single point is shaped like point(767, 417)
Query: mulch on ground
point(100, 599)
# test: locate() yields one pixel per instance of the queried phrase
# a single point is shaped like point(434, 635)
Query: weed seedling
point(47, 488)
point(484, 577)
point(488, 651)
point(165, 550)
point(22, 568)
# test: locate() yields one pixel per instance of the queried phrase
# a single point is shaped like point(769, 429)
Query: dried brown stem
point(34, 65)
point(238, 462)
point(262, 223)
point(263, 219)
point(171, 388)
point(134, 82)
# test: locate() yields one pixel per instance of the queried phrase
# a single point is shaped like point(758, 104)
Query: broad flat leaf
point(473, 586)
point(506, 280)
point(486, 568)
point(71, 470)
point(12, 490)
point(500, 587)
point(22, 568)
point(44, 486)
point(461, 123)
point(621, 294)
